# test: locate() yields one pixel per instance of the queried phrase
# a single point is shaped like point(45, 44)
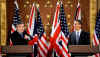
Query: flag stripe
point(42, 48)
point(30, 21)
point(56, 15)
point(95, 40)
point(41, 53)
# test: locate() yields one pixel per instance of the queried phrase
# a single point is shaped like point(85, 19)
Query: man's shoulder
point(15, 33)
point(85, 32)
point(72, 33)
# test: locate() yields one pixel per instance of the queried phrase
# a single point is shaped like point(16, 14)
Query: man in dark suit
point(20, 36)
point(79, 37)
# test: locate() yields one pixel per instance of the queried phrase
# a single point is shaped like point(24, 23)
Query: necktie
point(22, 36)
point(77, 38)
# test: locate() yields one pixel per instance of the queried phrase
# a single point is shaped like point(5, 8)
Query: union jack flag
point(31, 30)
point(62, 40)
point(32, 21)
point(78, 12)
point(60, 32)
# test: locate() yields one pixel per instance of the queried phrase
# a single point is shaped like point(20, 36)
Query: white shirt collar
point(78, 31)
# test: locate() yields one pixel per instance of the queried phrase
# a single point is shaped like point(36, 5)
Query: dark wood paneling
point(24, 11)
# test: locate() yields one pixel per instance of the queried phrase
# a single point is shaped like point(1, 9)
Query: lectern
point(83, 50)
point(17, 51)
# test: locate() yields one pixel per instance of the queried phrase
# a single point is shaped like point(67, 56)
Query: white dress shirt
point(78, 31)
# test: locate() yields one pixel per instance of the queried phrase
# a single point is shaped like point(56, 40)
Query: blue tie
point(77, 38)
point(22, 35)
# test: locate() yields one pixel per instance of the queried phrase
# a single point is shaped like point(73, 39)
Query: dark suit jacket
point(17, 39)
point(83, 40)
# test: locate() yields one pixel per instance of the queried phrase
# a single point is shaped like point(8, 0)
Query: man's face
point(20, 28)
point(77, 25)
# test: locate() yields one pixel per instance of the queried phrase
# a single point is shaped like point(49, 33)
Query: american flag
point(42, 43)
point(97, 34)
point(64, 31)
point(77, 15)
point(16, 19)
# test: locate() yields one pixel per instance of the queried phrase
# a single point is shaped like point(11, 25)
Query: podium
point(83, 50)
point(17, 51)
point(74, 49)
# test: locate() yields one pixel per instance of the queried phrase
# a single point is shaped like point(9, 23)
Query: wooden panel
point(17, 49)
point(83, 49)
point(72, 48)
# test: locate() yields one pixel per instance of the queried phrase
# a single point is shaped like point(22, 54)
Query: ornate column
point(93, 12)
point(98, 4)
point(3, 23)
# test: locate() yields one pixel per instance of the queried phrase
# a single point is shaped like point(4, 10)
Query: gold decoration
point(51, 5)
point(68, 16)
point(27, 2)
point(69, 2)
point(24, 5)
point(45, 5)
point(71, 5)
point(48, 24)
point(37, 5)
point(27, 16)
point(30, 5)
point(66, 5)
point(46, 27)
point(69, 24)
point(48, 4)
point(48, 16)
point(3, 23)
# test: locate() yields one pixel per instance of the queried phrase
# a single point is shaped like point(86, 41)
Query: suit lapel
point(80, 36)
point(19, 36)
point(74, 36)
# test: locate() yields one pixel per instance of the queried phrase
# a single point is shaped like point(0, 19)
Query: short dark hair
point(79, 21)
point(20, 23)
